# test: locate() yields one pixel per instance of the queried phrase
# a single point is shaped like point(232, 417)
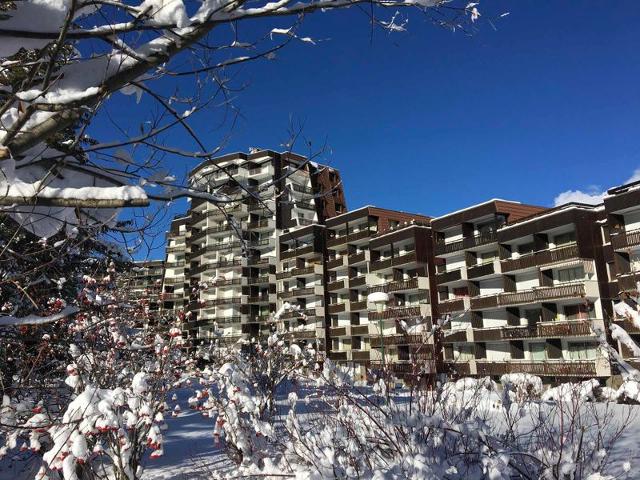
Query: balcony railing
point(296, 272)
point(351, 237)
point(452, 305)
point(541, 294)
point(357, 281)
point(258, 299)
point(295, 252)
point(560, 368)
point(543, 257)
point(628, 325)
point(485, 301)
point(395, 312)
point(337, 355)
point(460, 369)
point(395, 286)
point(356, 258)
point(335, 263)
point(455, 336)
point(297, 292)
point(624, 240)
point(338, 331)
point(376, 341)
point(451, 276)
point(572, 328)
point(477, 271)
point(357, 306)
point(297, 314)
point(359, 329)
point(337, 307)
point(360, 355)
point(469, 242)
point(258, 280)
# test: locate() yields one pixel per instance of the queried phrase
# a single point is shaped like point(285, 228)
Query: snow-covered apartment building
point(522, 287)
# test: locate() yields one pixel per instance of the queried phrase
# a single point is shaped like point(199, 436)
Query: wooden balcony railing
point(451, 336)
point(258, 280)
point(561, 368)
point(624, 240)
point(337, 308)
point(351, 237)
point(543, 257)
point(356, 258)
point(451, 276)
point(335, 263)
point(453, 305)
point(572, 328)
point(376, 341)
point(460, 369)
point(295, 272)
point(357, 281)
point(485, 301)
point(360, 329)
point(477, 271)
point(360, 355)
point(333, 286)
point(338, 331)
point(396, 286)
point(469, 242)
point(295, 252)
point(337, 355)
point(401, 312)
point(541, 294)
point(297, 292)
point(357, 306)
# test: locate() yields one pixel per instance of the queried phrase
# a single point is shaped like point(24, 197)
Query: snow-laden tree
point(62, 61)
point(82, 385)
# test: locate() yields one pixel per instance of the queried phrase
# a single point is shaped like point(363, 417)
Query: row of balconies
point(301, 292)
point(397, 313)
point(351, 306)
point(296, 252)
point(569, 328)
point(421, 283)
point(588, 288)
point(555, 368)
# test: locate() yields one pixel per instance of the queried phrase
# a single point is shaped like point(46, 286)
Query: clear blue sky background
point(431, 121)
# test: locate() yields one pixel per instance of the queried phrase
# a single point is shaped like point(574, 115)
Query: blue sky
point(432, 121)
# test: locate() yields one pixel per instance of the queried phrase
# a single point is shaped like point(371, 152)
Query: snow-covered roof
point(475, 206)
point(553, 211)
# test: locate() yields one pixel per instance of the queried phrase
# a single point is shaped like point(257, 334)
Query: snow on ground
point(189, 450)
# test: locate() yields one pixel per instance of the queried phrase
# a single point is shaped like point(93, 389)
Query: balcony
point(339, 331)
point(338, 356)
point(357, 306)
point(223, 301)
point(337, 308)
point(359, 329)
point(543, 294)
point(338, 285)
point(571, 328)
point(544, 257)
point(628, 325)
point(300, 272)
point(258, 280)
point(336, 263)
point(398, 285)
point(303, 334)
point(298, 292)
point(258, 299)
point(458, 368)
point(349, 238)
point(625, 240)
point(484, 270)
point(442, 248)
point(296, 252)
point(450, 276)
point(396, 313)
point(227, 282)
point(297, 314)
point(359, 281)
point(360, 355)
point(209, 231)
point(453, 305)
point(357, 258)
point(389, 340)
point(559, 368)
point(484, 301)
point(451, 336)
point(393, 262)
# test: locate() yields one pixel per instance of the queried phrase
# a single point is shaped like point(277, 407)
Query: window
point(538, 351)
point(582, 350)
point(465, 353)
point(575, 312)
point(571, 274)
point(564, 239)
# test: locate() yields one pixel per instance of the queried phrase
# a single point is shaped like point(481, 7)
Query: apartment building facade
point(523, 291)
point(231, 237)
point(523, 288)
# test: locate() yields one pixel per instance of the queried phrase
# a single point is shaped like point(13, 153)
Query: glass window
point(538, 351)
point(582, 350)
point(571, 274)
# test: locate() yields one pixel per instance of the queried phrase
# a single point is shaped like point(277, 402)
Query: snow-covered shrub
point(522, 386)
